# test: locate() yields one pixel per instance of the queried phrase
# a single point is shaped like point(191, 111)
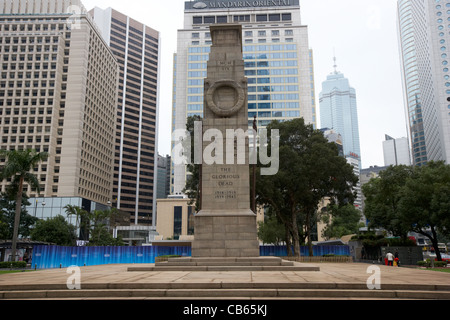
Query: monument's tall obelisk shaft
point(225, 226)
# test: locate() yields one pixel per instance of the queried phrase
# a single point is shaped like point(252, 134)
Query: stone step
point(220, 290)
point(223, 268)
point(226, 264)
point(225, 294)
point(225, 285)
point(215, 260)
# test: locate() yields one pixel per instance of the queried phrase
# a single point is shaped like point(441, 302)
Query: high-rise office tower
point(338, 111)
point(136, 47)
point(163, 177)
point(58, 94)
point(278, 62)
point(425, 55)
point(396, 151)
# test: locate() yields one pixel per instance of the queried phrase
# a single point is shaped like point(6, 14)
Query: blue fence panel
point(144, 254)
point(280, 251)
point(55, 256)
point(277, 251)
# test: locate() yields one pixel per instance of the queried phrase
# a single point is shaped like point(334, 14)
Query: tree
point(310, 170)
point(383, 195)
point(271, 231)
point(8, 208)
point(94, 225)
point(193, 180)
point(424, 206)
point(3, 224)
point(341, 221)
point(18, 166)
point(54, 230)
point(414, 199)
point(100, 235)
point(82, 220)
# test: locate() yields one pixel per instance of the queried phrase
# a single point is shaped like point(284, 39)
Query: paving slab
point(337, 273)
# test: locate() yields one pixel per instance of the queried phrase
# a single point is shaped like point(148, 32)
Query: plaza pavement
point(331, 276)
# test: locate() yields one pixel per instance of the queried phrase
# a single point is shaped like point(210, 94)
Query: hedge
point(14, 265)
point(437, 264)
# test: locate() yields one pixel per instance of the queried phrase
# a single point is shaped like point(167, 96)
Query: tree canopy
point(193, 181)
point(310, 170)
point(383, 195)
point(404, 199)
point(341, 221)
point(54, 230)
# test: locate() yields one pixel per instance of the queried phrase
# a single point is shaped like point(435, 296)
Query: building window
point(210, 20)
point(286, 17)
point(190, 220)
point(222, 19)
point(243, 18)
point(177, 222)
point(274, 17)
point(261, 17)
point(198, 20)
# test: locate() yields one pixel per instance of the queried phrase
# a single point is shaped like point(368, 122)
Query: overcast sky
point(362, 33)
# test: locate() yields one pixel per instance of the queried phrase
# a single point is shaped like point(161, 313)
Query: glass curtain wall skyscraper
point(338, 111)
point(278, 63)
point(424, 38)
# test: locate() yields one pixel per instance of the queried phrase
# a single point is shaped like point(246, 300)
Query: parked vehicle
point(445, 257)
point(442, 248)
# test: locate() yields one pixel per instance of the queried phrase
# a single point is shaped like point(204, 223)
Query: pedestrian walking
point(396, 259)
point(390, 258)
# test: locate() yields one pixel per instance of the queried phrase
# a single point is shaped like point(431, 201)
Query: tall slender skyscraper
point(424, 39)
point(136, 47)
point(58, 93)
point(338, 111)
point(278, 62)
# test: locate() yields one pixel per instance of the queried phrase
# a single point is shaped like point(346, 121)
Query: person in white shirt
point(390, 258)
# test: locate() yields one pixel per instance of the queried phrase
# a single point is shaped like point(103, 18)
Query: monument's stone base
point(217, 264)
point(230, 234)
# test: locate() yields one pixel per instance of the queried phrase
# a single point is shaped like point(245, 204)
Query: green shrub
point(424, 263)
point(428, 264)
point(440, 264)
point(14, 265)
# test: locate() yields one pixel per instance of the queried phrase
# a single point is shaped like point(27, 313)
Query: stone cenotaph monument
point(225, 225)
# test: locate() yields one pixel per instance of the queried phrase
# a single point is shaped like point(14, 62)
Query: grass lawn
point(440, 269)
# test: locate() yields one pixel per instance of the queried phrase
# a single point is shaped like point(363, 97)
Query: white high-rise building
point(425, 53)
point(396, 151)
point(58, 94)
point(278, 63)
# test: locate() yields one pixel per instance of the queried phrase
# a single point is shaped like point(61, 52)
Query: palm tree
point(18, 166)
point(82, 218)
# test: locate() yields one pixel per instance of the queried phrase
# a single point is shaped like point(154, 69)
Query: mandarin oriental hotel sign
point(216, 4)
